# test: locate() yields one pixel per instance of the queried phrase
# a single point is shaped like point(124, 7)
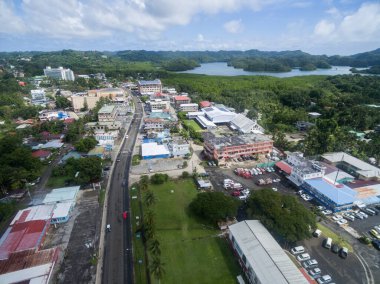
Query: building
point(204, 104)
point(261, 257)
point(61, 212)
point(41, 154)
point(106, 138)
point(29, 267)
point(158, 105)
point(38, 97)
point(45, 115)
point(352, 165)
point(33, 213)
point(158, 124)
point(59, 73)
point(23, 236)
point(63, 194)
point(89, 99)
point(72, 154)
point(102, 126)
point(107, 113)
point(188, 107)
point(179, 147)
point(149, 87)
point(205, 123)
point(219, 115)
point(242, 124)
point(218, 148)
point(153, 150)
point(98, 151)
point(193, 115)
point(178, 100)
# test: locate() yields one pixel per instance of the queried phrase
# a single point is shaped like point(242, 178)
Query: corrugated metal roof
point(268, 260)
point(153, 149)
point(39, 212)
point(61, 194)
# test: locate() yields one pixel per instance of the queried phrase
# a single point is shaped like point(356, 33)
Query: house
point(178, 100)
point(63, 194)
point(218, 148)
point(204, 104)
point(107, 113)
point(179, 147)
point(153, 150)
point(149, 87)
point(188, 107)
point(261, 257)
point(61, 212)
point(69, 155)
point(41, 154)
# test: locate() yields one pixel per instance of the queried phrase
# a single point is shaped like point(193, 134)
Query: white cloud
point(9, 22)
point(234, 26)
point(324, 28)
point(200, 38)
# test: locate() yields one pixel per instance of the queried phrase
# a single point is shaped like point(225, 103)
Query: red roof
point(41, 154)
point(69, 120)
point(284, 167)
point(22, 84)
point(205, 104)
point(181, 98)
point(23, 236)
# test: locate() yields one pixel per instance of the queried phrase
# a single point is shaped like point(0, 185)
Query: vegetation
point(159, 178)
point(136, 160)
point(214, 206)
point(189, 251)
point(281, 214)
point(62, 102)
point(180, 64)
point(336, 239)
point(86, 144)
point(80, 171)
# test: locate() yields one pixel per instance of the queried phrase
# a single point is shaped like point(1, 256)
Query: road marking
point(368, 273)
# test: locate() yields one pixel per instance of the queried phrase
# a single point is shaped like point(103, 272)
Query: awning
point(284, 167)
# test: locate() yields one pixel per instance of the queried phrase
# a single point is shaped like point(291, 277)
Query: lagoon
point(222, 69)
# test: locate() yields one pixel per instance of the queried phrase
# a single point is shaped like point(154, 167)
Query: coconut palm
point(154, 247)
point(157, 268)
point(150, 198)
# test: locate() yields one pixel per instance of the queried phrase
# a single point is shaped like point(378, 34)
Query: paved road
point(118, 258)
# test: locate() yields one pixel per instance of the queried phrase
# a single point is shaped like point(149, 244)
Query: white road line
point(367, 270)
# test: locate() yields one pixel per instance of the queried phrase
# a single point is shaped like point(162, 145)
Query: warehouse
point(219, 114)
point(205, 123)
point(242, 124)
point(63, 194)
point(154, 151)
point(261, 257)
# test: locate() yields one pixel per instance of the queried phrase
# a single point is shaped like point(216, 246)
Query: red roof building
point(41, 154)
point(178, 100)
point(22, 84)
point(282, 165)
point(203, 104)
point(69, 120)
point(22, 237)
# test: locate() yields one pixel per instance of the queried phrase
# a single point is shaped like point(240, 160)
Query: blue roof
point(339, 195)
point(153, 82)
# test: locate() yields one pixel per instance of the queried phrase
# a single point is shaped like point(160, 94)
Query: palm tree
point(154, 247)
point(149, 225)
point(150, 198)
point(157, 268)
point(144, 182)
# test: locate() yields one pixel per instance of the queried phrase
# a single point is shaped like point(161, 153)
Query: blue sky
point(315, 26)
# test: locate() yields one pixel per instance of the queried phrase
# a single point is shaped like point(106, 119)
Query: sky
point(316, 26)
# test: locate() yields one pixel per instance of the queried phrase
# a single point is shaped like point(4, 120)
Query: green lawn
point(326, 232)
point(192, 124)
point(191, 251)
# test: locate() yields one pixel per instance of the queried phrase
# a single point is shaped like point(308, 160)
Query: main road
point(118, 257)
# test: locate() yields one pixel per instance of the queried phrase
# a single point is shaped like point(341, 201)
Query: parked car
point(337, 217)
point(342, 222)
point(315, 272)
point(108, 228)
point(343, 253)
point(321, 208)
point(376, 244)
point(324, 279)
point(303, 257)
point(359, 215)
point(335, 248)
point(310, 263)
point(349, 217)
point(326, 212)
point(364, 214)
point(375, 234)
point(297, 250)
point(317, 233)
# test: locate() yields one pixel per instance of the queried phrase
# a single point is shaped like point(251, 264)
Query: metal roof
point(62, 209)
point(243, 123)
point(107, 109)
point(268, 260)
point(153, 82)
point(61, 194)
point(153, 149)
point(39, 212)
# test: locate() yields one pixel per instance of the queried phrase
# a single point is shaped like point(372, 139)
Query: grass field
point(326, 232)
point(191, 251)
point(54, 182)
point(192, 124)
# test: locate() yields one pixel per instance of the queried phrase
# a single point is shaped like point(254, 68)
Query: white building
point(242, 124)
point(107, 113)
point(149, 87)
point(38, 97)
point(188, 107)
point(261, 257)
point(179, 147)
point(59, 73)
point(205, 123)
point(219, 114)
point(303, 169)
point(158, 105)
point(106, 139)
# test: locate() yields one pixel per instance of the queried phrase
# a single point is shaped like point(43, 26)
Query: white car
point(274, 189)
point(337, 217)
point(321, 208)
point(326, 212)
point(303, 257)
point(297, 250)
point(324, 279)
point(308, 198)
point(310, 263)
point(342, 222)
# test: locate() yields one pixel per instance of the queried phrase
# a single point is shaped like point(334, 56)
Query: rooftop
point(204, 104)
point(107, 109)
point(243, 123)
point(363, 168)
point(152, 82)
point(41, 154)
point(339, 194)
point(62, 209)
point(268, 260)
point(61, 194)
point(235, 140)
point(153, 149)
point(181, 98)
point(39, 212)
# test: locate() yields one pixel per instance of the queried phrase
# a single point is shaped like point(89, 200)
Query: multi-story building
point(149, 87)
point(106, 138)
point(303, 169)
point(89, 99)
point(179, 147)
point(38, 97)
point(103, 126)
point(159, 105)
point(157, 124)
point(218, 148)
point(178, 100)
point(188, 107)
point(59, 73)
point(261, 257)
point(107, 113)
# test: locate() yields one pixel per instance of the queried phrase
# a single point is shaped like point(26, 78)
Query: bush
point(185, 174)
point(159, 178)
point(365, 240)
